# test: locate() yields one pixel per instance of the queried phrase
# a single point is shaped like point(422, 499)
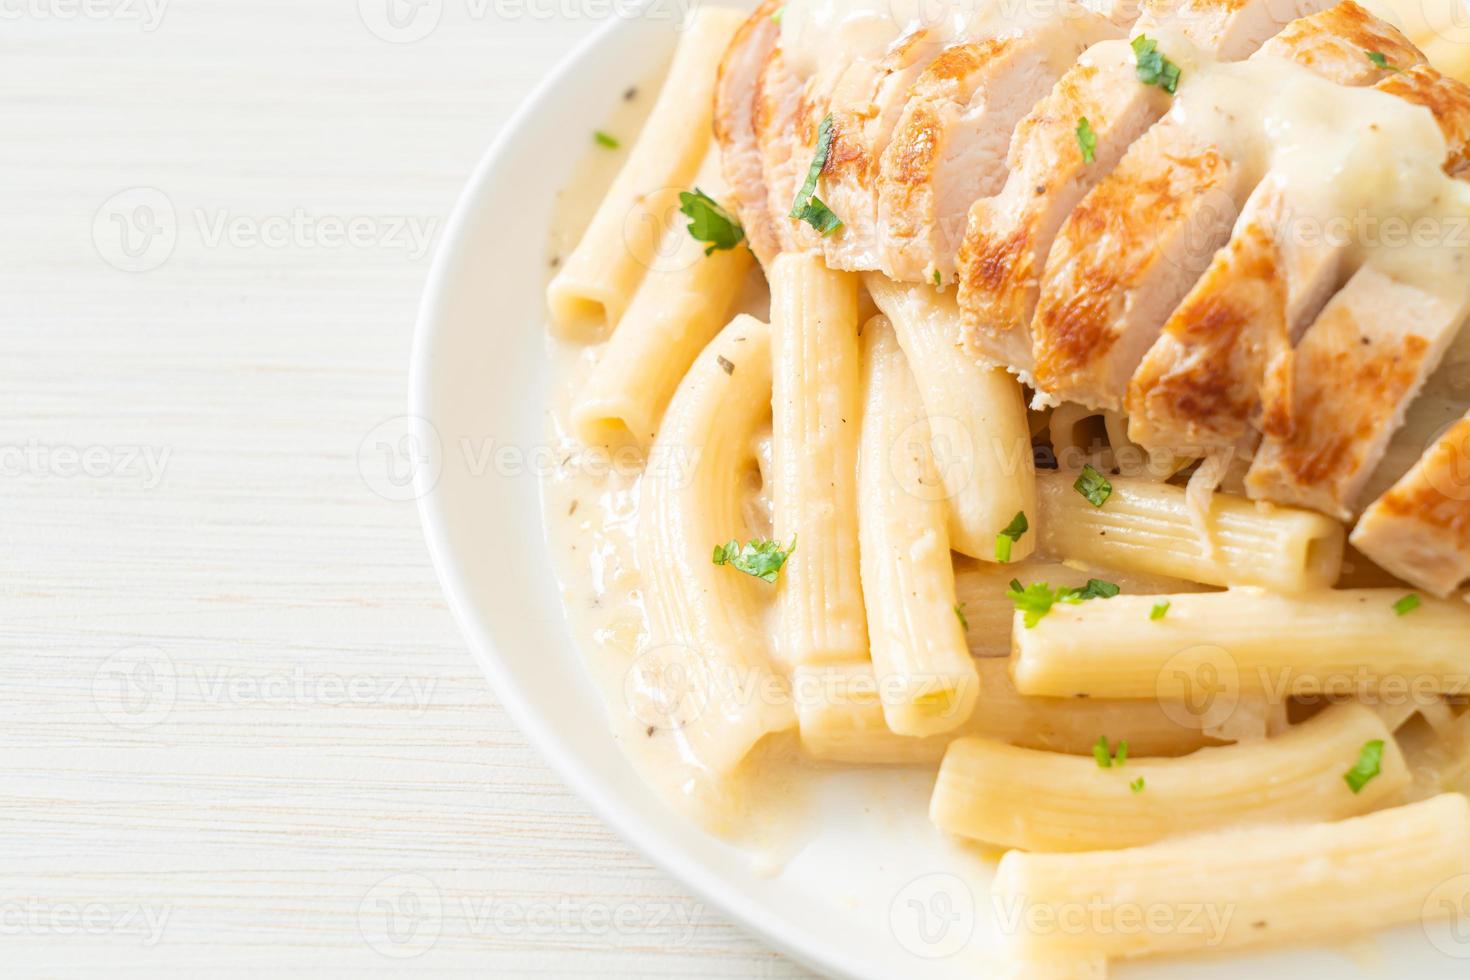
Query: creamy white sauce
point(1358, 164)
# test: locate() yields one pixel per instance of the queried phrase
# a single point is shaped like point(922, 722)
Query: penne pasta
point(841, 718)
point(1145, 526)
point(1244, 643)
point(987, 613)
point(673, 315)
point(925, 673)
point(814, 437)
point(1242, 887)
point(599, 278)
point(705, 633)
point(977, 420)
point(1045, 801)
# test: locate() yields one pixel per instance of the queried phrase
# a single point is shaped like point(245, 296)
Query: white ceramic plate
point(874, 891)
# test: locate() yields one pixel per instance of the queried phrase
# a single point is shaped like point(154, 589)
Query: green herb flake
point(778, 14)
point(1136, 785)
point(761, 559)
point(1035, 600)
point(938, 279)
point(710, 223)
point(807, 206)
point(1010, 534)
point(1151, 67)
point(1369, 764)
point(604, 139)
point(1094, 486)
point(959, 612)
point(1095, 588)
point(1408, 604)
point(1109, 759)
point(1380, 60)
point(1159, 611)
point(1086, 140)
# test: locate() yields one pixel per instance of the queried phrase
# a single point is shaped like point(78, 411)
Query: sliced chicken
point(865, 109)
point(735, 128)
point(1420, 529)
point(780, 108)
point(1139, 241)
point(950, 146)
point(1355, 373)
point(1200, 386)
point(1009, 236)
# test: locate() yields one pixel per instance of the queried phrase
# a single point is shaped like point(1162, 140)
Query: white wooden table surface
point(239, 731)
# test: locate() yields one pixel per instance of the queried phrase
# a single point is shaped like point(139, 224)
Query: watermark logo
point(933, 916)
point(401, 458)
point(1198, 688)
point(148, 14)
point(136, 687)
point(136, 230)
point(1445, 916)
point(400, 21)
point(41, 917)
point(401, 916)
point(667, 687)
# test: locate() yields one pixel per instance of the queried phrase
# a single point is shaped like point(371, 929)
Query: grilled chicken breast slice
point(865, 110)
point(1009, 236)
point(1355, 372)
point(1199, 388)
point(735, 131)
point(1138, 242)
point(950, 146)
point(1420, 529)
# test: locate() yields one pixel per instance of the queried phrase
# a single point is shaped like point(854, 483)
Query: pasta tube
point(980, 593)
point(925, 673)
point(1242, 887)
point(977, 419)
point(1043, 801)
point(705, 634)
point(599, 277)
point(841, 717)
point(1144, 526)
point(1244, 643)
point(814, 436)
point(673, 315)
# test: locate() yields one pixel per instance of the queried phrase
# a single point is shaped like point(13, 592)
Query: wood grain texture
point(240, 730)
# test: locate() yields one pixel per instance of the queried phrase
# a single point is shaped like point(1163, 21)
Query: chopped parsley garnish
point(808, 207)
point(1369, 764)
point(1136, 785)
point(778, 14)
point(1095, 588)
point(1086, 140)
point(1159, 611)
point(1035, 600)
point(604, 139)
point(959, 612)
point(1408, 604)
point(819, 216)
point(1011, 534)
point(763, 559)
point(1094, 486)
point(938, 279)
point(710, 223)
point(1152, 67)
point(1106, 759)
point(1380, 60)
